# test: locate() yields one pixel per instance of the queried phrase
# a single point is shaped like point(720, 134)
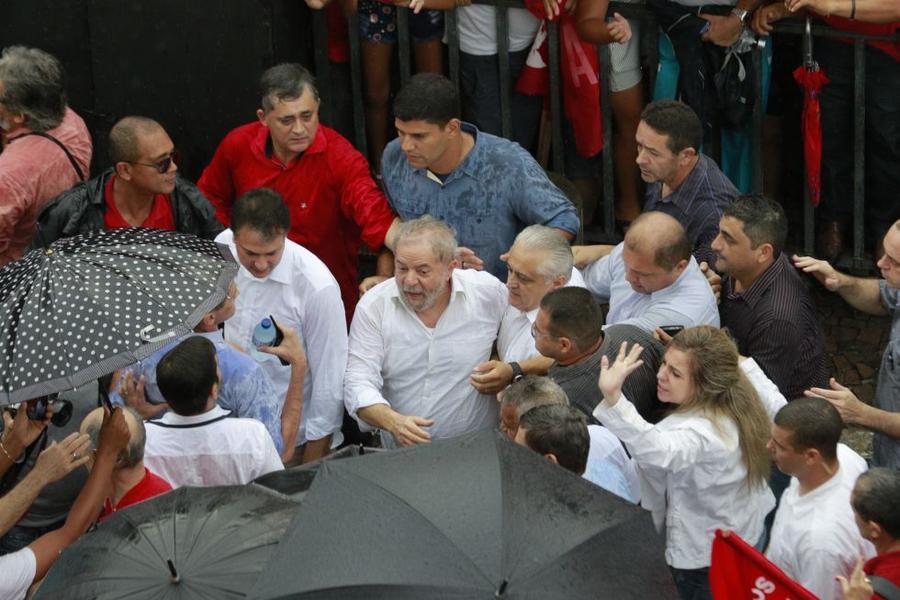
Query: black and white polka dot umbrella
point(90, 304)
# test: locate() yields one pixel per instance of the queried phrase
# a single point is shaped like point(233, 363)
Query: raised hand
point(613, 376)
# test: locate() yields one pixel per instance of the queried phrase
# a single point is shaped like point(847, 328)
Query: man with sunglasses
point(141, 189)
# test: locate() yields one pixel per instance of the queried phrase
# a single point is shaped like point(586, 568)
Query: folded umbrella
point(90, 304)
point(204, 543)
point(471, 517)
point(811, 79)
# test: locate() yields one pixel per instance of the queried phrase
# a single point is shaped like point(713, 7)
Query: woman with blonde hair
point(705, 466)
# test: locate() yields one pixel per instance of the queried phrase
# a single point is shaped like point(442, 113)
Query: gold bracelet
point(2, 447)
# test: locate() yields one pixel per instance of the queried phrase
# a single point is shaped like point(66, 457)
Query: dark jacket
point(81, 210)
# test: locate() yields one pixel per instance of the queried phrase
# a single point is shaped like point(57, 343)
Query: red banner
point(738, 570)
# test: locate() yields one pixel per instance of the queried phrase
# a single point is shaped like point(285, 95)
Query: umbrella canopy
point(217, 540)
point(811, 79)
point(471, 517)
point(90, 304)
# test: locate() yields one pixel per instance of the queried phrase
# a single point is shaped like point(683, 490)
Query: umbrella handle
point(175, 577)
point(808, 61)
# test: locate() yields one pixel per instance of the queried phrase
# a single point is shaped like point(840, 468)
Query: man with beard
point(417, 337)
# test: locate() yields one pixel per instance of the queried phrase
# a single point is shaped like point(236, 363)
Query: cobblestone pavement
point(854, 343)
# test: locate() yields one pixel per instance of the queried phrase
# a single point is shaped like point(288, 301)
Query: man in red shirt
point(325, 182)
point(876, 506)
point(132, 482)
point(141, 189)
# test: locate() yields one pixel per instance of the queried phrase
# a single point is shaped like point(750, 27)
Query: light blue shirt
point(497, 191)
point(246, 389)
point(688, 302)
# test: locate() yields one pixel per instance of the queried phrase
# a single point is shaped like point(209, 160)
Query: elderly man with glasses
point(141, 189)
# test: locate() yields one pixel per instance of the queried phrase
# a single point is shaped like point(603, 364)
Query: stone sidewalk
point(854, 343)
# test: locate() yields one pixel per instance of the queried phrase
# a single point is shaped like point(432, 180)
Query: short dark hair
point(34, 83)
point(124, 138)
point(427, 97)
point(876, 497)
point(186, 375)
point(559, 430)
point(763, 219)
point(677, 121)
point(262, 210)
point(813, 423)
point(286, 81)
point(575, 314)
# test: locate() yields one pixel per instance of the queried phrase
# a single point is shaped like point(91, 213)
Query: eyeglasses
point(536, 334)
point(161, 166)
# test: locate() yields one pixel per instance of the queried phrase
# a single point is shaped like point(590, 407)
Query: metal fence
point(648, 41)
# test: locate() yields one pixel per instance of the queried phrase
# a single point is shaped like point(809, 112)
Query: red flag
point(738, 571)
point(580, 74)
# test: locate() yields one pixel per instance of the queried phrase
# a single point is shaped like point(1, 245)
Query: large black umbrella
point(90, 304)
point(205, 543)
point(472, 517)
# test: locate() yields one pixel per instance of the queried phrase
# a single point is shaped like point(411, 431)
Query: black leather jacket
point(80, 210)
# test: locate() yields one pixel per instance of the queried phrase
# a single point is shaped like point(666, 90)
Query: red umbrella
point(811, 78)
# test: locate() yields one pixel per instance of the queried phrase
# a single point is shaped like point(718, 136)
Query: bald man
point(141, 189)
point(132, 481)
point(651, 279)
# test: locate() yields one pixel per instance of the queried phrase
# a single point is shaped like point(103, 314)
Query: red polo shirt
point(148, 487)
point(334, 202)
point(160, 216)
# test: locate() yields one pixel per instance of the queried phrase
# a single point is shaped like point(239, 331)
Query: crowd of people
point(673, 369)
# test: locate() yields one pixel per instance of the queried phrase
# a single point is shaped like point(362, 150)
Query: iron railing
point(649, 52)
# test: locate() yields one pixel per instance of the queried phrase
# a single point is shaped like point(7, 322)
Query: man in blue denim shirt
point(485, 187)
point(246, 389)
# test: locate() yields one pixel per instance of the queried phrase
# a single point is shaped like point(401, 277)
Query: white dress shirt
point(688, 302)
point(610, 467)
point(396, 360)
point(814, 536)
point(18, 569)
point(515, 342)
point(301, 293)
point(692, 477)
point(209, 449)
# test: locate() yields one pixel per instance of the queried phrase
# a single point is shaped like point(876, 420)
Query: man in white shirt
point(608, 465)
point(416, 338)
point(539, 261)
point(651, 279)
point(814, 536)
point(198, 443)
point(282, 279)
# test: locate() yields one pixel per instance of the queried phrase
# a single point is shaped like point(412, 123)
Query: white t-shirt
point(814, 536)
point(478, 29)
point(17, 571)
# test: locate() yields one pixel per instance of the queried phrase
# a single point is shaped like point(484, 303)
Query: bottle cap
point(266, 323)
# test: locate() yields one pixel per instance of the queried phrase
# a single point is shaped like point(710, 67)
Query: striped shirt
point(697, 204)
point(579, 380)
point(774, 321)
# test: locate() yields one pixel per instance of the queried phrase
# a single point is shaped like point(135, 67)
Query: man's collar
point(171, 418)
point(469, 164)
point(215, 337)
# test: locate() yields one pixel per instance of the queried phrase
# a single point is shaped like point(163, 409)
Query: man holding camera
point(23, 440)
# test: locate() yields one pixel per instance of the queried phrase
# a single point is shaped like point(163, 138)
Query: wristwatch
point(741, 14)
point(518, 373)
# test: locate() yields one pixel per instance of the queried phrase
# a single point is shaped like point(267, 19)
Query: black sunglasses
point(163, 165)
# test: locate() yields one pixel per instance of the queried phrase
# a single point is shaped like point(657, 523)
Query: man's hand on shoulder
point(369, 282)
point(132, 393)
point(821, 270)
point(468, 259)
point(491, 377)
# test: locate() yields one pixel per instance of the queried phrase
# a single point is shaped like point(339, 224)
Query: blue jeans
point(19, 537)
point(692, 584)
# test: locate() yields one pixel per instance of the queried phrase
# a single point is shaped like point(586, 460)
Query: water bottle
point(264, 334)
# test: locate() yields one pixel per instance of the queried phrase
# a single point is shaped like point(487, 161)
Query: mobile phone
point(672, 330)
point(37, 410)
